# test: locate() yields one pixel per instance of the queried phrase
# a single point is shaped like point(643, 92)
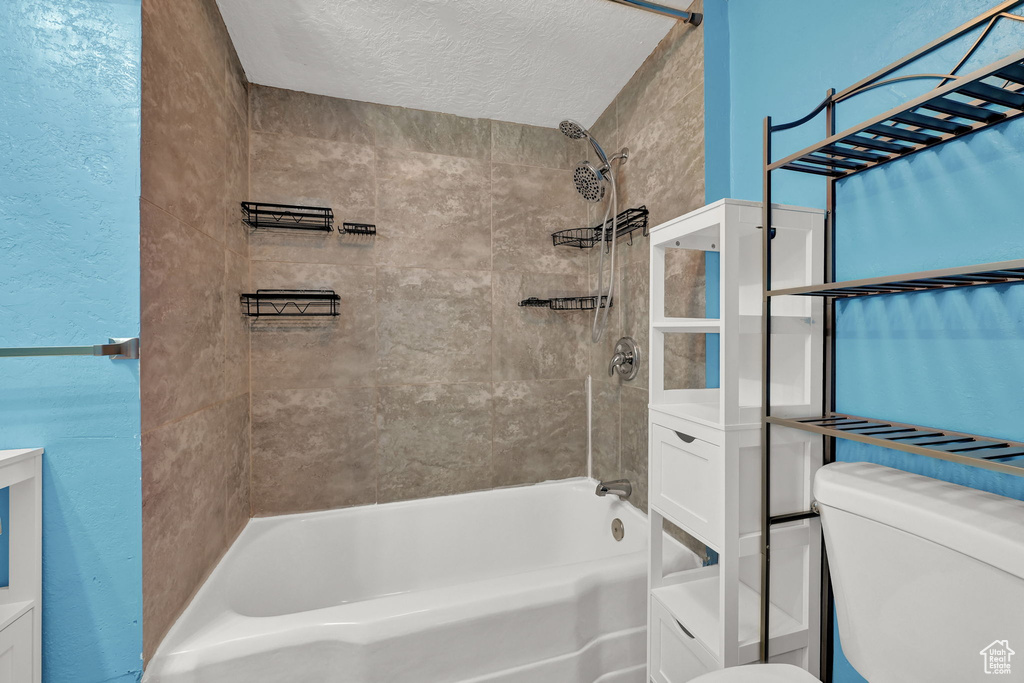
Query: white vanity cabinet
point(705, 442)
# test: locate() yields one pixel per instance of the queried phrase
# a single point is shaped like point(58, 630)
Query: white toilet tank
point(928, 576)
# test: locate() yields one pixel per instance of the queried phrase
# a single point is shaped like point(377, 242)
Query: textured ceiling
point(527, 61)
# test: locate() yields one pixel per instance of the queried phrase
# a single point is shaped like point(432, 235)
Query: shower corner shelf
point(306, 303)
point(358, 228)
point(260, 215)
point(629, 221)
point(567, 303)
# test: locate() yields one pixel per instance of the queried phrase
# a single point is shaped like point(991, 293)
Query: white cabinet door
point(16, 650)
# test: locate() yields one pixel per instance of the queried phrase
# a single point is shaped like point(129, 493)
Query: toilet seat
point(758, 673)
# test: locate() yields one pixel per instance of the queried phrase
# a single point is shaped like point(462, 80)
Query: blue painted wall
point(945, 359)
point(69, 274)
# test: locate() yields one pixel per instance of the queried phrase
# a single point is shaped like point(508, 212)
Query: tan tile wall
point(433, 380)
point(659, 116)
point(195, 261)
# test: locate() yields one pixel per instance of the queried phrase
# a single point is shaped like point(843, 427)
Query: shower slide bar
point(117, 349)
point(688, 17)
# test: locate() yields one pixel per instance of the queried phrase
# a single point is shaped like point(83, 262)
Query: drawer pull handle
point(680, 625)
point(685, 437)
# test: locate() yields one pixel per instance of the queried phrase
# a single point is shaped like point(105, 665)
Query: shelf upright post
point(766, 343)
point(828, 394)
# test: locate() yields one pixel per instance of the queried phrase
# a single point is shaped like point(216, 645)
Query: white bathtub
point(522, 585)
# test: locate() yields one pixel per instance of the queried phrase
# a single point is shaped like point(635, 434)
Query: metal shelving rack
point(959, 106)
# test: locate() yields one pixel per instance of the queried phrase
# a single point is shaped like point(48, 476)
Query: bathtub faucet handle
point(620, 487)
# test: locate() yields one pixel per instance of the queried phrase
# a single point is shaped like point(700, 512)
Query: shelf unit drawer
point(676, 657)
point(687, 480)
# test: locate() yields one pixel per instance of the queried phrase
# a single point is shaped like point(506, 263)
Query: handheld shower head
point(590, 181)
point(573, 130)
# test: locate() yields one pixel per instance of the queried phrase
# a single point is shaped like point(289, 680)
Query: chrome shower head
point(590, 181)
point(573, 130)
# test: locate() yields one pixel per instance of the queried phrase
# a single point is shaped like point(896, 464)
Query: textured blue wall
point(945, 359)
point(69, 274)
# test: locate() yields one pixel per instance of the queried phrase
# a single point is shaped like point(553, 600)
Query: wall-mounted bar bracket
point(117, 349)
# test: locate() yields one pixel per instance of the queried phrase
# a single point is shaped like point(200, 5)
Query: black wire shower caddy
point(291, 302)
point(287, 216)
point(567, 303)
point(259, 215)
point(629, 221)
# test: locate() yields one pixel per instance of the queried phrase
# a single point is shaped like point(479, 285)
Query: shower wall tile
point(184, 123)
point(434, 440)
point(236, 184)
point(537, 343)
point(685, 361)
point(666, 168)
point(182, 318)
point(433, 326)
point(290, 112)
point(195, 262)
point(238, 478)
point(684, 284)
point(187, 484)
point(234, 326)
point(604, 435)
point(634, 303)
point(539, 431)
point(290, 169)
point(601, 352)
point(514, 143)
point(633, 428)
point(673, 72)
point(237, 83)
point(313, 449)
point(433, 211)
point(297, 353)
point(415, 130)
point(529, 204)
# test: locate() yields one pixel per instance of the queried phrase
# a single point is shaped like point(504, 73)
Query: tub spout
point(620, 487)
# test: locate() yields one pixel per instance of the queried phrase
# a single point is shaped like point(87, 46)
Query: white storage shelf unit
point(705, 448)
point(737, 398)
point(21, 599)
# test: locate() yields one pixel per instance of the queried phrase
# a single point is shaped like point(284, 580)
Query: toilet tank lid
point(976, 523)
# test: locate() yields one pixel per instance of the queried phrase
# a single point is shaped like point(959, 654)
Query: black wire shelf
point(968, 449)
point(1003, 272)
point(359, 228)
point(567, 303)
point(287, 217)
point(291, 302)
point(629, 222)
point(989, 96)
